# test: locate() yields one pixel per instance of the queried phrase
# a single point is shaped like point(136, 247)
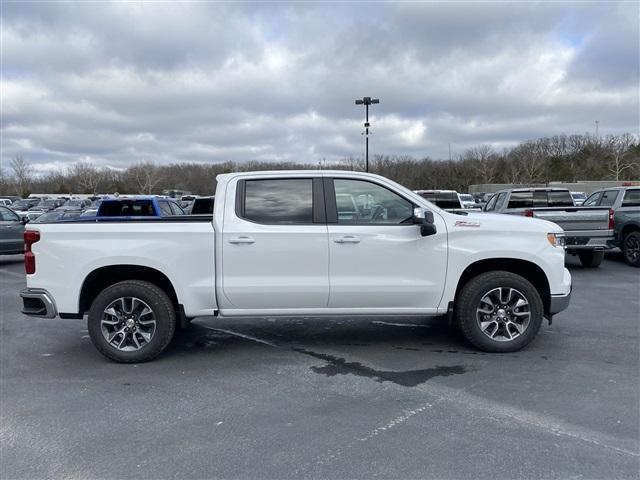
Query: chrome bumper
point(37, 302)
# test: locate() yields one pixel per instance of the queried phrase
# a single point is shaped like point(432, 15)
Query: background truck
point(588, 229)
point(279, 244)
point(625, 203)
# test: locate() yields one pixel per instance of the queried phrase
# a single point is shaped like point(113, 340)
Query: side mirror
point(24, 220)
point(424, 218)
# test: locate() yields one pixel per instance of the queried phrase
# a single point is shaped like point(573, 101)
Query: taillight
point(30, 237)
point(528, 213)
point(611, 214)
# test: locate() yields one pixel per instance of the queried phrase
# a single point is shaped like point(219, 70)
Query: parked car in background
point(21, 207)
point(625, 203)
point(468, 202)
point(75, 204)
point(578, 198)
point(202, 206)
point(48, 205)
point(9, 198)
point(11, 232)
point(588, 229)
point(445, 199)
point(142, 206)
point(281, 245)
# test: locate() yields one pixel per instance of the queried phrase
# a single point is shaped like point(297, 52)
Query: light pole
point(366, 101)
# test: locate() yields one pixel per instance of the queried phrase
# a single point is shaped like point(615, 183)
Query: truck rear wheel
point(591, 258)
point(131, 321)
point(499, 312)
point(631, 249)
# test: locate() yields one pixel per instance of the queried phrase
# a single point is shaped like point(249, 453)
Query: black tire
point(469, 300)
point(591, 258)
point(162, 309)
point(631, 249)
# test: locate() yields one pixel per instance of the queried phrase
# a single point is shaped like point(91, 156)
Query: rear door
point(377, 257)
point(274, 251)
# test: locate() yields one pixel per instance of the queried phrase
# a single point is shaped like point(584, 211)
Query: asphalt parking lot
point(342, 398)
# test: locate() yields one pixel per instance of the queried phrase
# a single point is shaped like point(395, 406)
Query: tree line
point(566, 158)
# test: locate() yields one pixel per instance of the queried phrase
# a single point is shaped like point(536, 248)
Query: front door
point(377, 257)
point(275, 253)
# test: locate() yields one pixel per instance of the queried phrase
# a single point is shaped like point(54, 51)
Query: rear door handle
point(347, 239)
point(241, 240)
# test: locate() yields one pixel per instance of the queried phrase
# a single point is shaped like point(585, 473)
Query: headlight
point(557, 239)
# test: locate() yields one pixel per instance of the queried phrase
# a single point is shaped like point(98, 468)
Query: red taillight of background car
point(528, 213)
point(30, 237)
point(611, 214)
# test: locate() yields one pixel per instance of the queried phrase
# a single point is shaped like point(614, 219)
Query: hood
point(502, 222)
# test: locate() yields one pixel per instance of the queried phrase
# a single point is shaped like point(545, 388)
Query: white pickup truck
point(279, 244)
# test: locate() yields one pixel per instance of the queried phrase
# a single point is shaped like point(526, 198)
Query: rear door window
point(631, 198)
point(278, 201)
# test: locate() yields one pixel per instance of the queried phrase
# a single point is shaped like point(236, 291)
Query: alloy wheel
point(503, 314)
point(128, 324)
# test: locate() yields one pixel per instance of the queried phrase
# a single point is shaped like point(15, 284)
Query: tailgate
point(576, 218)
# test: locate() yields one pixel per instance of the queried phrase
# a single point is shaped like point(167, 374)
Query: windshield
point(73, 203)
point(467, 198)
point(578, 195)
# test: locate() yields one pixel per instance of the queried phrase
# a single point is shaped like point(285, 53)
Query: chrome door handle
point(241, 240)
point(347, 239)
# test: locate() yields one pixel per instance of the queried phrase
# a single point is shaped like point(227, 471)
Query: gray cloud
point(119, 82)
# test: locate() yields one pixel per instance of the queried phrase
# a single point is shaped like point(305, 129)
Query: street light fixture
point(366, 101)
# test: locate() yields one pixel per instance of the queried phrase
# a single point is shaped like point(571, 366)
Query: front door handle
point(241, 240)
point(347, 239)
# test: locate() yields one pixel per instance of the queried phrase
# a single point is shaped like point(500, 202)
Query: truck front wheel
point(591, 258)
point(131, 321)
point(499, 312)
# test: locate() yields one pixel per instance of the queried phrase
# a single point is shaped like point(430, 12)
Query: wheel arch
point(627, 229)
point(103, 277)
point(529, 270)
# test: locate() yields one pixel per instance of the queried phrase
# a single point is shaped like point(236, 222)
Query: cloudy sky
point(116, 83)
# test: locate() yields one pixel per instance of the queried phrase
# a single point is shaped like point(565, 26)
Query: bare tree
point(86, 175)
point(147, 176)
point(483, 159)
point(619, 147)
point(23, 175)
